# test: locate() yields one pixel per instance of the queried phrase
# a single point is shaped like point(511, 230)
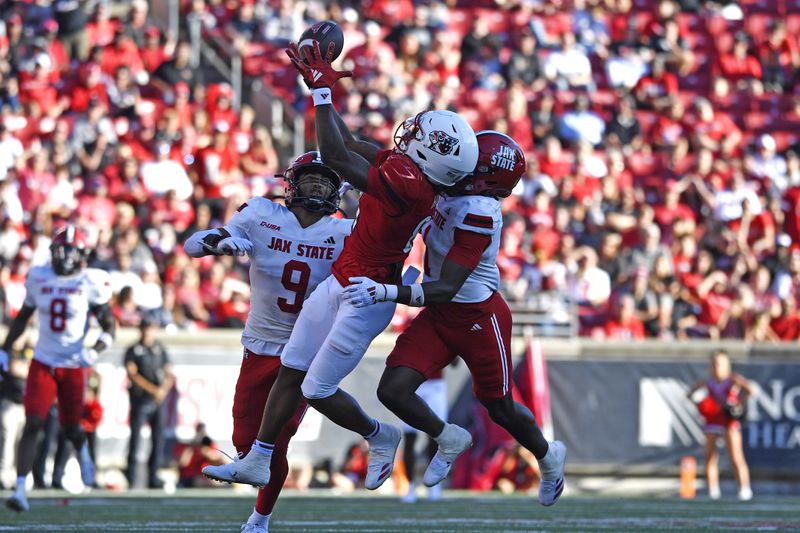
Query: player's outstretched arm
point(17, 327)
point(332, 134)
point(364, 291)
point(217, 241)
point(107, 323)
point(348, 163)
point(365, 149)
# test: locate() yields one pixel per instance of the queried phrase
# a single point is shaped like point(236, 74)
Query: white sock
point(411, 487)
point(258, 518)
point(20, 490)
point(264, 449)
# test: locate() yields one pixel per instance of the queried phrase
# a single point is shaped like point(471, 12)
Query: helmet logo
point(441, 142)
point(504, 158)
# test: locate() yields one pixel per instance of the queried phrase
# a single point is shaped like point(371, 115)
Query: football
point(324, 33)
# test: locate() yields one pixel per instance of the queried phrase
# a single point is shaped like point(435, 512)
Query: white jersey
point(63, 303)
point(479, 214)
point(287, 263)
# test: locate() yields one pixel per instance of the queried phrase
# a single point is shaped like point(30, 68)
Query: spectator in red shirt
point(780, 57)
point(95, 208)
point(123, 51)
point(714, 130)
point(363, 60)
point(715, 302)
point(153, 53)
point(656, 90)
point(218, 165)
point(625, 325)
point(742, 67)
point(102, 28)
point(672, 208)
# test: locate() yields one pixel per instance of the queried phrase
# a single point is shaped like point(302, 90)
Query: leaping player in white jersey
point(464, 316)
point(291, 249)
point(64, 293)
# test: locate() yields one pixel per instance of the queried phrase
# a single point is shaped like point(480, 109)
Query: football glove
point(230, 246)
point(316, 71)
point(363, 292)
point(88, 357)
point(3, 362)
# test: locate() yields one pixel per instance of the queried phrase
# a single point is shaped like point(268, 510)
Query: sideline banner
point(636, 413)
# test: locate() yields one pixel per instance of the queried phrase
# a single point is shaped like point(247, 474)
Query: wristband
point(417, 295)
point(106, 338)
point(391, 293)
point(322, 96)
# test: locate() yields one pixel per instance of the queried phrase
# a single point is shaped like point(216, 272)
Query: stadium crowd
point(663, 185)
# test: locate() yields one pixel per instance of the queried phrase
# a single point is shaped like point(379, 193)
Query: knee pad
point(314, 390)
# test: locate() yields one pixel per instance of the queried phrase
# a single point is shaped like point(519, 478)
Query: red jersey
point(398, 201)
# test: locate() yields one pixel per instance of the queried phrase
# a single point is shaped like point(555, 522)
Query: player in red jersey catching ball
point(64, 294)
point(434, 150)
point(465, 316)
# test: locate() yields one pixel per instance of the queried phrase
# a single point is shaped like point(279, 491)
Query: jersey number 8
point(58, 315)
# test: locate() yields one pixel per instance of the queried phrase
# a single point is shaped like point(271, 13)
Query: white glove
point(3, 361)
point(88, 357)
point(363, 292)
point(231, 246)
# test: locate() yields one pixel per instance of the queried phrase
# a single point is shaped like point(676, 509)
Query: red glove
point(316, 71)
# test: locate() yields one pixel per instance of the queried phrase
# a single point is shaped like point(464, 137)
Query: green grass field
point(219, 511)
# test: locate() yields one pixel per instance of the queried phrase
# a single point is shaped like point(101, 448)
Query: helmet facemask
point(313, 190)
point(67, 259)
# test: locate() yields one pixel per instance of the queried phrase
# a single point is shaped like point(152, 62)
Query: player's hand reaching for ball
point(230, 246)
point(363, 291)
point(316, 70)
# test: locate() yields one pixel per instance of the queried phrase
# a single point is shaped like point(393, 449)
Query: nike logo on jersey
point(330, 240)
point(476, 327)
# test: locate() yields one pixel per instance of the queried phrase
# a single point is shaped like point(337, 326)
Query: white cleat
point(411, 495)
point(552, 469)
point(453, 441)
point(253, 470)
point(255, 528)
point(382, 451)
point(18, 503)
point(435, 493)
point(714, 493)
point(745, 494)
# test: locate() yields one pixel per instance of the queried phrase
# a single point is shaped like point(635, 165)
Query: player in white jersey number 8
point(64, 294)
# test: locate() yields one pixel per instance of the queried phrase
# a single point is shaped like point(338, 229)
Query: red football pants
point(256, 377)
point(46, 383)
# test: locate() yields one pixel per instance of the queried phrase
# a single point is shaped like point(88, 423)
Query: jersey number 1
point(298, 287)
point(58, 315)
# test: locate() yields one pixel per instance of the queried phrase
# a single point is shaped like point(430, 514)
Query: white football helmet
point(441, 143)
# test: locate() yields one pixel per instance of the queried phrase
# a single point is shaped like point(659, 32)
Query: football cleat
point(18, 503)
point(714, 493)
point(453, 441)
point(87, 466)
point(435, 493)
point(745, 494)
point(382, 450)
point(552, 470)
point(411, 495)
point(253, 469)
point(250, 527)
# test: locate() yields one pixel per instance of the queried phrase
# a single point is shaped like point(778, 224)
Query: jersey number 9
point(298, 287)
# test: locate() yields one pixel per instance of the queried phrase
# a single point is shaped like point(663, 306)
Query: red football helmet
point(69, 249)
point(501, 164)
point(312, 193)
